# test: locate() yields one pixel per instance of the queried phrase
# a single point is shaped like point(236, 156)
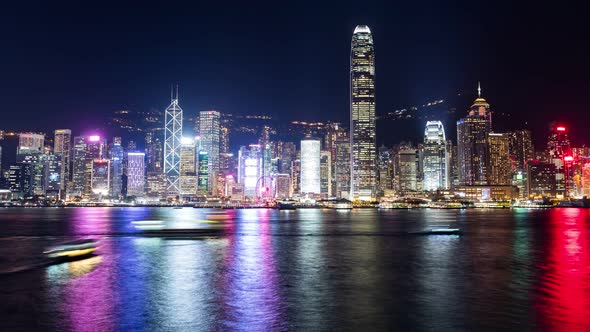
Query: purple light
point(94, 138)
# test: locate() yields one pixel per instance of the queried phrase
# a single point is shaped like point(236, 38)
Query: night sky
point(68, 64)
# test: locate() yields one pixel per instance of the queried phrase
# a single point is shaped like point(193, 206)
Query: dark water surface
point(312, 270)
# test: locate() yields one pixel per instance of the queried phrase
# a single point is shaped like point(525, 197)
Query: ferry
point(394, 205)
point(338, 204)
point(72, 249)
point(286, 205)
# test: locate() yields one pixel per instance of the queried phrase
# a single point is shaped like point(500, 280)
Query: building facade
point(310, 166)
point(435, 157)
point(472, 144)
point(362, 116)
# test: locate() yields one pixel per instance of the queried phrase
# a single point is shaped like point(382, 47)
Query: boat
point(337, 204)
point(438, 231)
point(182, 233)
point(286, 205)
point(72, 249)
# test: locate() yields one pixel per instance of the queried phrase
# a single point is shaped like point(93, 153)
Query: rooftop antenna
point(478, 89)
point(171, 93)
point(177, 91)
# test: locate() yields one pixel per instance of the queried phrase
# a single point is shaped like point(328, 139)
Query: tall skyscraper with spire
point(363, 154)
point(172, 145)
point(472, 143)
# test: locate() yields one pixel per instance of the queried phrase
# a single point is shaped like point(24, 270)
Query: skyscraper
point(209, 130)
point(172, 145)
point(362, 115)
point(188, 168)
point(135, 174)
point(95, 150)
point(435, 160)
point(310, 166)
point(62, 147)
point(521, 149)
point(203, 173)
point(249, 168)
point(499, 171)
point(558, 146)
point(472, 143)
point(326, 174)
point(116, 154)
point(100, 176)
point(342, 167)
point(406, 174)
point(78, 166)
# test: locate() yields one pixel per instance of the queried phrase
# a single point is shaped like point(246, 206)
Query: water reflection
point(84, 293)
point(249, 287)
point(564, 286)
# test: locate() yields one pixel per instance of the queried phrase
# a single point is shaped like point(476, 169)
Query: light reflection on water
point(308, 269)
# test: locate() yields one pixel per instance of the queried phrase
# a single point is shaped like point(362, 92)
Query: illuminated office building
point(541, 179)
point(326, 174)
point(521, 149)
point(135, 174)
point(172, 145)
point(558, 147)
point(210, 134)
point(100, 176)
point(406, 162)
point(116, 154)
point(95, 150)
point(499, 170)
point(435, 157)
point(249, 168)
point(472, 143)
point(362, 116)
point(310, 166)
point(188, 168)
point(30, 143)
point(62, 147)
point(282, 185)
point(342, 167)
point(203, 173)
point(78, 166)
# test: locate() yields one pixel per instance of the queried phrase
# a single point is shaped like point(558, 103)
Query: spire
point(171, 93)
point(176, 92)
point(478, 89)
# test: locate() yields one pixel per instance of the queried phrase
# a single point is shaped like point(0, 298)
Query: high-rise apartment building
point(435, 157)
point(362, 116)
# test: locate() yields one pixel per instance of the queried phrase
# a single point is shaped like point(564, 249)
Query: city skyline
point(409, 75)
